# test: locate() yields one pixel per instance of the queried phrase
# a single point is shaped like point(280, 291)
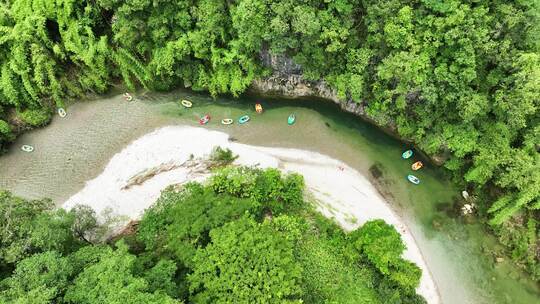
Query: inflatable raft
point(417, 165)
point(27, 148)
point(292, 119)
point(128, 97)
point(186, 103)
point(226, 121)
point(62, 112)
point(413, 179)
point(407, 154)
point(204, 120)
point(258, 108)
point(242, 120)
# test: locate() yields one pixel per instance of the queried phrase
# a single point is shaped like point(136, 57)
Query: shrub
point(222, 157)
point(268, 187)
point(382, 245)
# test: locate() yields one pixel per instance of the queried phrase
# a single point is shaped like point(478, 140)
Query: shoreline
point(342, 194)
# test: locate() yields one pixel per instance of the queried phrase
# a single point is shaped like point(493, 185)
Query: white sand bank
point(342, 192)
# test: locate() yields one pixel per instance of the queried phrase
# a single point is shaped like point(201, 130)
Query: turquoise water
point(73, 150)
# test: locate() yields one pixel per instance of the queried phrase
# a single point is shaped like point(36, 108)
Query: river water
point(75, 149)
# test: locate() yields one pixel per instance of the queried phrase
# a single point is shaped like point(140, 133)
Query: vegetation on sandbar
point(246, 236)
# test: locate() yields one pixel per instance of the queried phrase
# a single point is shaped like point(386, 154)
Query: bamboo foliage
point(43, 40)
point(130, 66)
point(513, 203)
point(9, 86)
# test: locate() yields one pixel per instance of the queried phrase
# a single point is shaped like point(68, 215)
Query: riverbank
point(287, 81)
point(170, 153)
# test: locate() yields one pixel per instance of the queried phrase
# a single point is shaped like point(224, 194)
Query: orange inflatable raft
point(258, 108)
point(417, 165)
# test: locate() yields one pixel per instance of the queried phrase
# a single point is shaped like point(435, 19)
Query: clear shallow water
point(73, 150)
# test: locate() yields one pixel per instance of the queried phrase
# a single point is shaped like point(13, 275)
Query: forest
point(459, 78)
point(246, 236)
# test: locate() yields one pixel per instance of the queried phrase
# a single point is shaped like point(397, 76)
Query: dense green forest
point(246, 236)
point(457, 77)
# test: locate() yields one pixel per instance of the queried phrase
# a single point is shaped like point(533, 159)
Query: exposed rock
point(499, 259)
point(281, 65)
point(440, 158)
point(287, 80)
point(468, 208)
point(129, 229)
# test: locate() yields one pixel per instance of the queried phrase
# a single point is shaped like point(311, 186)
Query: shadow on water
point(376, 170)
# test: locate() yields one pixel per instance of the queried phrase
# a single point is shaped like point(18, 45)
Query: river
point(75, 149)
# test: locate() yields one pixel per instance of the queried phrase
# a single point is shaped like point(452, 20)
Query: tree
point(85, 223)
point(111, 280)
point(179, 223)
point(382, 245)
point(161, 277)
point(33, 226)
point(202, 246)
point(380, 242)
point(268, 187)
point(17, 218)
point(41, 278)
point(246, 262)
